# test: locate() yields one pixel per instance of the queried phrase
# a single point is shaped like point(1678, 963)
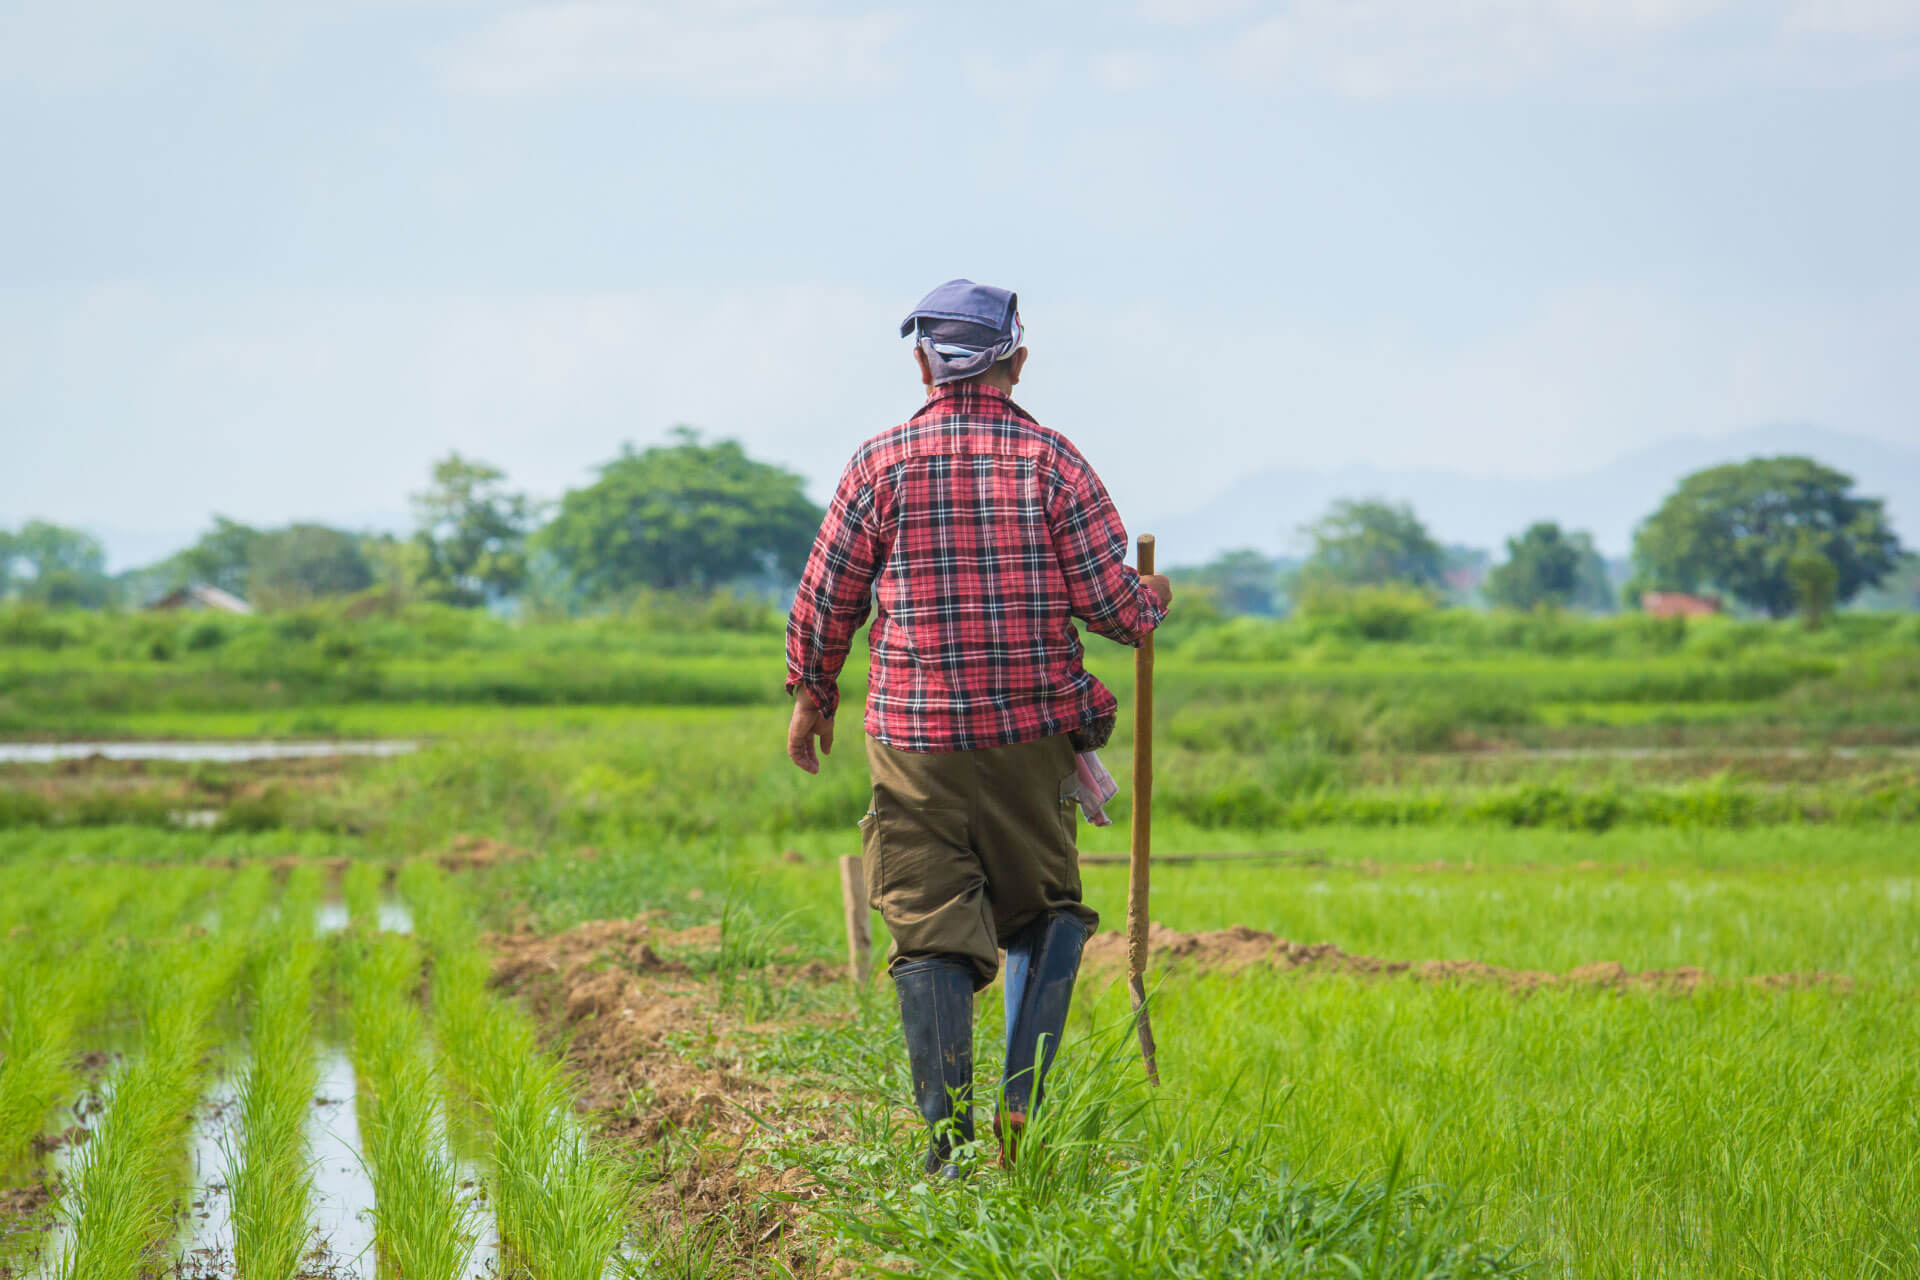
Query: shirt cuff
point(826, 696)
point(1152, 613)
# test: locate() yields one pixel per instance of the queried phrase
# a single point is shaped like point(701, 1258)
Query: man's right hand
point(1158, 584)
point(806, 725)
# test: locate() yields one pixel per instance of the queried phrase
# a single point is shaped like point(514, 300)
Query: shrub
point(1387, 613)
point(204, 635)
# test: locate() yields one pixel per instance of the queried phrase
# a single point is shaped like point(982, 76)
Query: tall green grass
point(121, 1198)
point(425, 1223)
point(1113, 1181)
point(270, 1175)
point(1727, 1134)
point(559, 1199)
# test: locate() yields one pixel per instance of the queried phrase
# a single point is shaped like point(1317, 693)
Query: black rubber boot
point(936, 1009)
point(1042, 963)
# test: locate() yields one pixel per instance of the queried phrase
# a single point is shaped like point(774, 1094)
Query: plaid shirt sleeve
point(836, 591)
point(1091, 545)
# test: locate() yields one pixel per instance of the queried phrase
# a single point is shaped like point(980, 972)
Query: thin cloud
point(1855, 17)
point(726, 50)
point(1410, 48)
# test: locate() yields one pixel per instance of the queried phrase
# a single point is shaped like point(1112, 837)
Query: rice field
point(562, 993)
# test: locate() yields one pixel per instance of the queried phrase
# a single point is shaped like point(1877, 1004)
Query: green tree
point(474, 531)
point(1547, 566)
point(682, 515)
point(1371, 543)
point(304, 561)
point(1241, 582)
point(1542, 567)
point(1734, 528)
point(66, 566)
point(401, 564)
point(6, 563)
point(1814, 579)
point(221, 558)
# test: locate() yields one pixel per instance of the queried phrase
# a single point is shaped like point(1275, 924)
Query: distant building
point(1678, 604)
point(198, 595)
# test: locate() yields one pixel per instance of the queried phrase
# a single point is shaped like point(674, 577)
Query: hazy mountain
point(1265, 509)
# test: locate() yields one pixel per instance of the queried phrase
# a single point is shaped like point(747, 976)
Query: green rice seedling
point(560, 1202)
point(122, 1194)
point(270, 1173)
point(425, 1225)
point(54, 973)
point(36, 1039)
point(360, 886)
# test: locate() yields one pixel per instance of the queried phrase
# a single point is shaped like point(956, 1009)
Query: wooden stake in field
point(1142, 829)
point(853, 904)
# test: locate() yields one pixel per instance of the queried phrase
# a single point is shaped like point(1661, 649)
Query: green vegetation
point(559, 1199)
point(1737, 528)
point(1371, 544)
point(425, 1224)
point(679, 516)
point(1733, 1131)
point(120, 1202)
point(1120, 1183)
point(1468, 807)
point(55, 978)
point(1546, 566)
point(270, 1177)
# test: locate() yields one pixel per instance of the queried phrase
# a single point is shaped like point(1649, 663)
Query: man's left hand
point(807, 725)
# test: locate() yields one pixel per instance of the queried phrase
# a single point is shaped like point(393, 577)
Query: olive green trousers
point(965, 848)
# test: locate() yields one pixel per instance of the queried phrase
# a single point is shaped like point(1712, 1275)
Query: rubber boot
point(1042, 962)
point(936, 1009)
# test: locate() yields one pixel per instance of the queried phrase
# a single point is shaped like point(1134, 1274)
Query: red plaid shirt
point(978, 535)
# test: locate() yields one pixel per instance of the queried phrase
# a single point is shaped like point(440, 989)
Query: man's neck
point(985, 382)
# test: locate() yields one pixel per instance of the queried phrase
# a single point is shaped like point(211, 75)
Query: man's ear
point(926, 370)
point(1019, 363)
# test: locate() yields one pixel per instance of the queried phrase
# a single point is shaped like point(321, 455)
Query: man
point(975, 535)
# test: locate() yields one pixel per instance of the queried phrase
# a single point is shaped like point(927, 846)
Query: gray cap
point(965, 328)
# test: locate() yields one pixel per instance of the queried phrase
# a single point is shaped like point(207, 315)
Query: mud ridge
point(1238, 948)
point(658, 1065)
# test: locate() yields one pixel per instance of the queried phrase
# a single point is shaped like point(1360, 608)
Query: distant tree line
point(1773, 534)
point(687, 515)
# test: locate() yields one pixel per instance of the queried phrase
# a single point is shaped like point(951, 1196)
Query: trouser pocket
point(870, 849)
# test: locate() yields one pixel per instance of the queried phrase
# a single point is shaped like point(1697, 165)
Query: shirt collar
point(952, 389)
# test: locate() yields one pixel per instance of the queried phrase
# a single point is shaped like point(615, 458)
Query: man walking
point(974, 535)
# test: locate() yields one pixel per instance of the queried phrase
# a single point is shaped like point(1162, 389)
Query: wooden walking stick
point(1142, 829)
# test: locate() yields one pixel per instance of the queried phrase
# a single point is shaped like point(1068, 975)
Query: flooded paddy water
point(343, 1209)
point(188, 752)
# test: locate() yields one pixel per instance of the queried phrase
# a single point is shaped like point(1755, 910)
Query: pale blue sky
point(271, 259)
